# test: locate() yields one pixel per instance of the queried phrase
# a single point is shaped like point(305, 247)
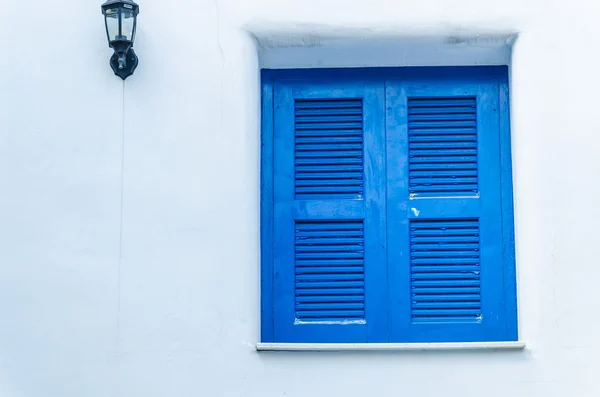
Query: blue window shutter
point(410, 239)
point(446, 263)
point(329, 222)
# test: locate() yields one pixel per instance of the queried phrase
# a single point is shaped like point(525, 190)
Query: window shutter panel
point(329, 225)
point(444, 178)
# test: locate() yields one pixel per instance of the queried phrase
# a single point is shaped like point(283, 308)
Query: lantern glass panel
point(112, 23)
point(127, 24)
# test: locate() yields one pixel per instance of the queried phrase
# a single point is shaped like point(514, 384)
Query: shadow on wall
point(313, 46)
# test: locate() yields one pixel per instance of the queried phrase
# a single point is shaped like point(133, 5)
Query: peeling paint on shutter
point(445, 271)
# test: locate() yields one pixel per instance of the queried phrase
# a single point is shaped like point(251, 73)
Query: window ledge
point(320, 347)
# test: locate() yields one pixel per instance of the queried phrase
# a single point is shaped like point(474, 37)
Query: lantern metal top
point(132, 5)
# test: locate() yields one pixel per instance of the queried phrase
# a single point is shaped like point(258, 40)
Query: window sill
point(321, 347)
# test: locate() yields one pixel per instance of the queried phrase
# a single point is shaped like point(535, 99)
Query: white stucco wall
point(129, 234)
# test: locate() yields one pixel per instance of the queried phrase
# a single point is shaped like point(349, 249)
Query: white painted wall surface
point(129, 235)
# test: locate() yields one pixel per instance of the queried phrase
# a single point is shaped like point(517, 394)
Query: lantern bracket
point(124, 64)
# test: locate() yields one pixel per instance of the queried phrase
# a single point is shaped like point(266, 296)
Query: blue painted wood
point(337, 260)
point(442, 146)
point(284, 226)
point(322, 209)
point(400, 289)
point(490, 220)
point(328, 133)
point(438, 219)
point(266, 211)
point(397, 210)
point(445, 254)
point(508, 231)
point(322, 243)
point(376, 219)
point(378, 75)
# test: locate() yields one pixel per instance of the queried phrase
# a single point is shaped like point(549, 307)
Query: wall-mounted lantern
point(120, 17)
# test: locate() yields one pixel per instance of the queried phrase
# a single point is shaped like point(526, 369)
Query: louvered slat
point(329, 267)
point(328, 155)
point(442, 146)
point(445, 271)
